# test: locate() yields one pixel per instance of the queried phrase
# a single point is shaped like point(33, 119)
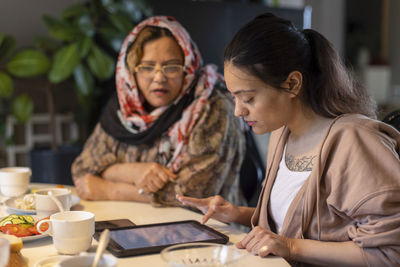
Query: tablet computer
point(112, 224)
point(152, 238)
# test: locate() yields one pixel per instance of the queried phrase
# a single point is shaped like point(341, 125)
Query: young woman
point(331, 195)
point(170, 129)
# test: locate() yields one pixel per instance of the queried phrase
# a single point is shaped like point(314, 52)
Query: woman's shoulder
point(356, 138)
point(361, 126)
point(219, 104)
point(221, 97)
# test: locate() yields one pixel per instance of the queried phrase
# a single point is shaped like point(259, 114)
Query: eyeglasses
point(148, 71)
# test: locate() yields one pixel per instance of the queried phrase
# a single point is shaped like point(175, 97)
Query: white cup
point(14, 181)
point(4, 251)
point(87, 260)
point(43, 203)
point(72, 231)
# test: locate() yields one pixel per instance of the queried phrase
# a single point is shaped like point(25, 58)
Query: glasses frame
point(160, 67)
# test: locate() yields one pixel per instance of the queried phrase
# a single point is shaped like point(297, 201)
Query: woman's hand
point(213, 207)
point(151, 177)
point(263, 242)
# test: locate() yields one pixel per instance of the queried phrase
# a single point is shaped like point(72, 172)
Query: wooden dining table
point(139, 213)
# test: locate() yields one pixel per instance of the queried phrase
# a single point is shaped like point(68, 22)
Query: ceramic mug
point(4, 251)
point(44, 205)
point(14, 181)
point(72, 231)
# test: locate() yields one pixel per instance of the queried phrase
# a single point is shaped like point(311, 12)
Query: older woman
point(169, 130)
point(331, 193)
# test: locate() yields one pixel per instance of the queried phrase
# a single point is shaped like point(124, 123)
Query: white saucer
point(50, 261)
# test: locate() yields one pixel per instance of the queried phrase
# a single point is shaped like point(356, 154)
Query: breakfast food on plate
point(23, 205)
point(21, 225)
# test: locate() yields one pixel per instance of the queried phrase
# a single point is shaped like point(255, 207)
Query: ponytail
point(332, 88)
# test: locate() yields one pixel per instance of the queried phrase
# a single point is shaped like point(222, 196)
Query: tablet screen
point(160, 235)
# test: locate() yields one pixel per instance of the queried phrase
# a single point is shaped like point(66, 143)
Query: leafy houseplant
point(22, 106)
point(82, 48)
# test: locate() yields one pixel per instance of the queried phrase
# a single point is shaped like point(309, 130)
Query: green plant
point(82, 46)
point(20, 106)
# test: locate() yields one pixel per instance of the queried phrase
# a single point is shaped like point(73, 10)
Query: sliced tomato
point(15, 229)
point(43, 226)
point(33, 230)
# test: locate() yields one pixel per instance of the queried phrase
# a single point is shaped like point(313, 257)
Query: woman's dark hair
point(270, 48)
point(147, 34)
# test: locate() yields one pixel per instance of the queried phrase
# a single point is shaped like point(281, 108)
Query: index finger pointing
point(207, 216)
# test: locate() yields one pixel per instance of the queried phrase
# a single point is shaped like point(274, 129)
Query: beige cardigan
point(353, 192)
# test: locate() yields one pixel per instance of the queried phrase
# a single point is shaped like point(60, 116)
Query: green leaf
point(28, 63)
point(7, 47)
point(84, 80)
point(108, 4)
point(6, 85)
point(112, 38)
point(86, 25)
point(64, 63)
point(61, 30)
point(75, 10)
point(46, 44)
point(123, 24)
point(1, 37)
point(96, 9)
point(100, 63)
point(136, 10)
point(84, 46)
point(22, 108)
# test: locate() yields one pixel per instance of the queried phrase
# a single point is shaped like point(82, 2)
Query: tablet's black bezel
point(119, 251)
point(99, 226)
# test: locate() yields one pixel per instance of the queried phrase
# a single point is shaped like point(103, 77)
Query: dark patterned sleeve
point(215, 151)
point(98, 154)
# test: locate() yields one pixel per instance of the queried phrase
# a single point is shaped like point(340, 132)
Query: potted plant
point(21, 106)
point(82, 47)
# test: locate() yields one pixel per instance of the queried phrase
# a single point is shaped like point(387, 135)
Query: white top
point(285, 188)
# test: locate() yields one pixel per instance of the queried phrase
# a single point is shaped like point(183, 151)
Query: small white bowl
point(86, 260)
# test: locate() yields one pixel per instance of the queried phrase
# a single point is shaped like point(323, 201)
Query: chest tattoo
point(301, 164)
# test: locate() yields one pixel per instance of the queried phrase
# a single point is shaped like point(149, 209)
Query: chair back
point(393, 119)
point(252, 171)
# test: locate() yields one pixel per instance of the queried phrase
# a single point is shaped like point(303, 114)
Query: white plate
point(32, 237)
point(50, 261)
point(12, 208)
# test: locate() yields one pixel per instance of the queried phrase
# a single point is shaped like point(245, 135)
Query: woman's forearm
point(92, 187)
point(244, 215)
point(120, 172)
point(326, 253)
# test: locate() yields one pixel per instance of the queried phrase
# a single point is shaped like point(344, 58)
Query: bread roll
point(16, 258)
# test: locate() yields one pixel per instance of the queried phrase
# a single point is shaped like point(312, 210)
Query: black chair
point(393, 119)
point(252, 171)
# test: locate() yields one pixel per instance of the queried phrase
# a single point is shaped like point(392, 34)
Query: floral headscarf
point(132, 113)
